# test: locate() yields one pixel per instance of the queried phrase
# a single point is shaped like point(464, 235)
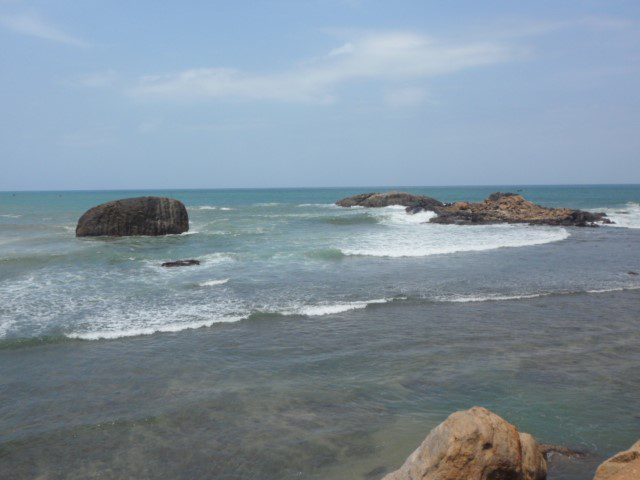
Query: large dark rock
point(386, 199)
point(134, 216)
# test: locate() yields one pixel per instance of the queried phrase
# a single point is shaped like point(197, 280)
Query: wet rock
point(622, 466)
point(181, 263)
point(631, 272)
point(513, 208)
point(547, 449)
point(134, 216)
point(475, 444)
point(377, 200)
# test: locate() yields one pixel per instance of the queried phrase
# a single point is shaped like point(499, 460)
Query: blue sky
point(116, 95)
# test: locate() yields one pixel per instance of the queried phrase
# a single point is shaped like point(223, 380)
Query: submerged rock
point(513, 208)
point(475, 444)
point(377, 200)
point(181, 263)
point(134, 216)
point(622, 466)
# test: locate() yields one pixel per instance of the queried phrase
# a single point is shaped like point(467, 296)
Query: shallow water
point(332, 339)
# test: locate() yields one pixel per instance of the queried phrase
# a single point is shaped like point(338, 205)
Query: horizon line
point(147, 189)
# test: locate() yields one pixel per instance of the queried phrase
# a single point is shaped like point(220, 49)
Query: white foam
point(135, 332)
point(332, 308)
point(404, 235)
point(488, 298)
point(218, 257)
point(214, 207)
point(626, 217)
point(498, 297)
point(319, 205)
point(10, 215)
point(213, 283)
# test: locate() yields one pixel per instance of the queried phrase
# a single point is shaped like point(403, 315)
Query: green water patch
point(18, 343)
point(360, 219)
point(326, 254)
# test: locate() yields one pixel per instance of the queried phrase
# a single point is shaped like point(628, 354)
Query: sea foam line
point(136, 332)
point(497, 297)
point(212, 283)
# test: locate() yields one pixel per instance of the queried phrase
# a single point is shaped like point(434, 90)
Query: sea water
point(312, 341)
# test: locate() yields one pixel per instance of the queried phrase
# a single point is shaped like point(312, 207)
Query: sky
point(225, 94)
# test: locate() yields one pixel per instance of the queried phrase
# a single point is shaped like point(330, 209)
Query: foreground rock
point(622, 466)
point(475, 444)
point(134, 216)
point(512, 208)
point(377, 200)
point(181, 263)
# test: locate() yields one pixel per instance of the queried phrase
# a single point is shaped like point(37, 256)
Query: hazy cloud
point(33, 25)
point(389, 57)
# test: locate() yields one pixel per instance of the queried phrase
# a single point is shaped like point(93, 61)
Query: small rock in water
point(546, 449)
point(631, 272)
point(181, 263)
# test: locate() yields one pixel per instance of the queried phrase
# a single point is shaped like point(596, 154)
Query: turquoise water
point(312, 341)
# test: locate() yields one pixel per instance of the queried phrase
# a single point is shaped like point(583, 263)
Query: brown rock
point(622, 466)
point(134, 216)
point(475, 444)
point(512, 208)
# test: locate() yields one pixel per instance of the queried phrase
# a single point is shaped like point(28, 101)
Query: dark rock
point(181, 263)
point(513, 208)
point(377, 200)
point(134, 216)
point(546, 449)
point(631, 272)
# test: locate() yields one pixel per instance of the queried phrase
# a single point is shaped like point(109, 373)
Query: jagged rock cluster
point(497, 208)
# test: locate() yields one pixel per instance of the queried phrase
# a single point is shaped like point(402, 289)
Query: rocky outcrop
point(181, 263)
point(499, 207)
point(622, 466)
point(386, 199)
point(475, 444)
point(512, 208)
point(134, 216)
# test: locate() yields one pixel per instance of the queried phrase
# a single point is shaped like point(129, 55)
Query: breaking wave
point(626, 217)
point(404, 235)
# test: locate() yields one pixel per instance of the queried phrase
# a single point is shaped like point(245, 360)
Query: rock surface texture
point(134, 216)
point(511, 208)
point(622, 466)
point(475, 444)
point(377, 200)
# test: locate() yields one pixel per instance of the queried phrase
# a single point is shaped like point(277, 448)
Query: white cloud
point(30, 24)
point(388, 57)
point(406, 97)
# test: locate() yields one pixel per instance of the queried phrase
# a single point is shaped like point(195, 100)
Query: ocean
point(312, 341)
